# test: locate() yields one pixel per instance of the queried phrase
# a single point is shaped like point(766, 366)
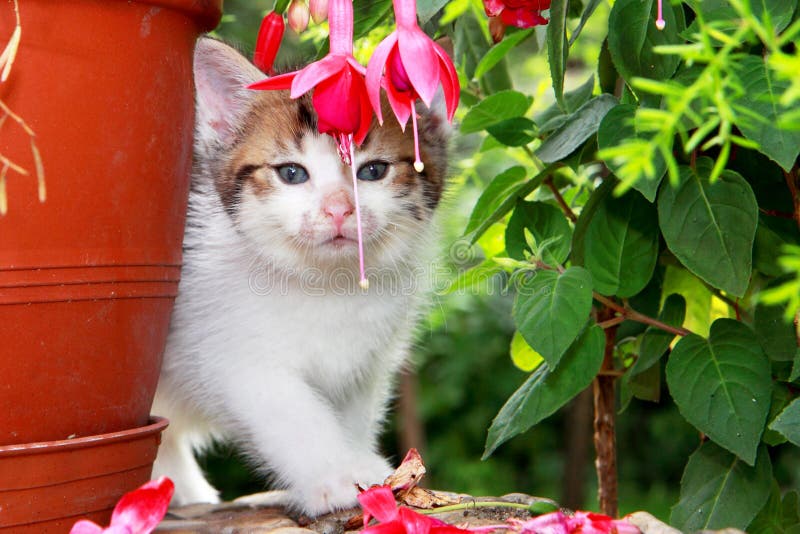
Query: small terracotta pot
point(48, 486)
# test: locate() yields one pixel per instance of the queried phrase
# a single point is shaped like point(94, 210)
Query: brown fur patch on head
point(433, 143)
point(258, 146)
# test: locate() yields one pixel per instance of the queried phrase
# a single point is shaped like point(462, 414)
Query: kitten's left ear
point(221, 75)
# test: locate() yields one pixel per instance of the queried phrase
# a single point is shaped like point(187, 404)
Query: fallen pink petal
point(137, 512)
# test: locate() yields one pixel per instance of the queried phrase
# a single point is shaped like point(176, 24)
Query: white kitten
point(273, 344)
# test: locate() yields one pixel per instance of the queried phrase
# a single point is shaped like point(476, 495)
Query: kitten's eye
point(292, 173)
point(373, 170)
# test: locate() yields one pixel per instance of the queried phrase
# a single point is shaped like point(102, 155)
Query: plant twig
point(560, 199)
point(776, 213)
point(793, 181)
point(629, 313)
point(605, 441)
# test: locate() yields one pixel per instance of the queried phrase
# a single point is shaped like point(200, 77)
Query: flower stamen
point(660, 22)
point(418, 165)
point(363, 282)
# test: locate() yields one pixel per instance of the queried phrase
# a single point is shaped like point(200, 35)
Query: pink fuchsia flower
point(268, 41)
point(340, 97)
point(378, 502)
point(319, 10)
point(410, 66)
point(137, 512)
point(298, 15)
point(519, 13)
point(337, 81)
point(580, 522)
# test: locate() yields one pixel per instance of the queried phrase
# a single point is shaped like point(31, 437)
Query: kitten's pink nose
point(338, 207)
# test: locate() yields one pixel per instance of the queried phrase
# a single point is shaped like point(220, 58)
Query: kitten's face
point(287, 191)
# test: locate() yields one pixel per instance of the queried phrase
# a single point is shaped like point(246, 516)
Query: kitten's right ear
point(220, 76)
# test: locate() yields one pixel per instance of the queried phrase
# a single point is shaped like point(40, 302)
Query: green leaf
point(470, 43)
point(587, 13)
point(646, 385)
point(370, 14)
point(711, 227)
point(632, 34)
point(726, 19)
point(781, 396)
point(586, 216)
point(547, 390)
point(523, 356)
point(499, 51)
point(771, 235)
point(618, 126)
point(655, 341)
point(777, 336)
point(513, 132)
point(621, 244)
point(545, 222)
point(759, 111)
point(557, 48)
point(777, 517)
point(498, 190)
point(723, 386)
point(795, 366)
point(718, 490)
point(521, 191)
point(475, 280)
point(426, 9)
point(577, 128)
point(551, 309)
point(495, 109)
point(788, 422)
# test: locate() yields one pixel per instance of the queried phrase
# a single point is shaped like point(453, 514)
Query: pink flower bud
point(319, 10)
point(298, 15)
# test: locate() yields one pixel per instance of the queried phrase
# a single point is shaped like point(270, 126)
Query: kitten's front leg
point(296, 432)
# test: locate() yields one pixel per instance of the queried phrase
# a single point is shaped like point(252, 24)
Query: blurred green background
point(463, 370)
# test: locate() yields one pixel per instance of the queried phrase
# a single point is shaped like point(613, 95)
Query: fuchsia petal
point(280, 82)
point(316, 73)
point(365, 111)
point(420, 61)
point(144, 508)
point(413, 522)
point(522, 18)
point(552, 523)
point(402, 103)
point(493, 7)
point(375, 72)
point(84, 526)
point(338, 109)
point(449, 79)
point(391, 527)
point(379, 502)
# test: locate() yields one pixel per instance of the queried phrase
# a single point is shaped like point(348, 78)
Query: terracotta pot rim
point(155, 426)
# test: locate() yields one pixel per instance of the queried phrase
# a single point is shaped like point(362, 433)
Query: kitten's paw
point(371, 470)
point(338, 491)
point(327, 495)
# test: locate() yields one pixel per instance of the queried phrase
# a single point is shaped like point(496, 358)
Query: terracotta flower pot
point(88, 277)
point(48, 486)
